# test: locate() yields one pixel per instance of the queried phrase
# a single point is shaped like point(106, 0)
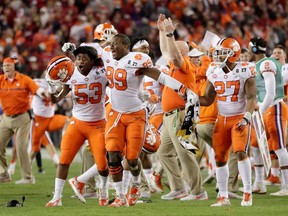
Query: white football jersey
point(230, 87)
point(124, 82)
point(42, 107)
point(155, 87)
point(285, 74)
point(88, 94)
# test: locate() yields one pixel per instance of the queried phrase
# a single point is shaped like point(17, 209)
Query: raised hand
point(168, 26)
point(160, 22)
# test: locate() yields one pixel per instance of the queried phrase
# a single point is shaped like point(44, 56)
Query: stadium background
point(34, 31)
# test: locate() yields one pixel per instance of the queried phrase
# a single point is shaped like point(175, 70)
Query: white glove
point(53, 86)
point(192, 97)
point(151, 138)
point(144, 95)
point(69, 47)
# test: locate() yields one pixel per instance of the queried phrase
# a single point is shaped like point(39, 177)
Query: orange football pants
point(42, 124)
point(75, 135)
point(225, 136)
point(275, 121)
point(126, 130)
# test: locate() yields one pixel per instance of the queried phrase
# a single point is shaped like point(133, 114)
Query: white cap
point(195, 53)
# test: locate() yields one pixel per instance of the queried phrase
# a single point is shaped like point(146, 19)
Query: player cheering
point(88, 87)
point(234, 84)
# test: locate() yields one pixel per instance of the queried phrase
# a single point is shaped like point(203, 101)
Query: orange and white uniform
point(127, 118)
point(231, 108)
point(88, 117)
point(44, 118)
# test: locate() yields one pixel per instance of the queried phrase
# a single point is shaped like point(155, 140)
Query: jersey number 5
point(117, 78)
point(221, 86)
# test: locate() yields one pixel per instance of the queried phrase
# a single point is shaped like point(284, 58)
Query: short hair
point(279, 46)
point(90, 51)
point(244, 50)
point(135, 40)
point(124, 39)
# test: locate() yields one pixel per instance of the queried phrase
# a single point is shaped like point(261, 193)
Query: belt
point(14, 116)
point(173, 111)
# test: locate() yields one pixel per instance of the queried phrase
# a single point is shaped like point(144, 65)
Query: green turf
point(39, 194)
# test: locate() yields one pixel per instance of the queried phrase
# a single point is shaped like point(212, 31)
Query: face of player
point(245, 57)
point(83, 63)
point(279, 54)
point(143, 49)
point(118, 49)
point(9, 69)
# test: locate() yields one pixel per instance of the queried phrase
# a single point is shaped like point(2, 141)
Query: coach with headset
point(15, 90)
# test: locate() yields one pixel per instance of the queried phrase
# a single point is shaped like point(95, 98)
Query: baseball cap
point(195, 53)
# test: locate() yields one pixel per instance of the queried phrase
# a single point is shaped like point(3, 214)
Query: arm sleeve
point(170, 82)
point(269, 79)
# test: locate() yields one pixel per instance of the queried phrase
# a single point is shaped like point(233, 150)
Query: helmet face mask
point(104, 31)
point(227, 49)
point(220, 54)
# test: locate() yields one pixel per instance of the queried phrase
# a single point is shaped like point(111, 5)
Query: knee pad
point(115, 168)
point(282, 157)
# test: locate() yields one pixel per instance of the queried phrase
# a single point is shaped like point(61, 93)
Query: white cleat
point(247, 199)
point(282, 192)
point(221, 201)
point(54, 203)
point(78, 188)
point(259, 188)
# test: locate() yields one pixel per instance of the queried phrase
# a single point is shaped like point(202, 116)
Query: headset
point(258, 45)
point(16, 203)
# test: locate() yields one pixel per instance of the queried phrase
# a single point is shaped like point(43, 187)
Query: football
point(60, 68)
point(152, 140)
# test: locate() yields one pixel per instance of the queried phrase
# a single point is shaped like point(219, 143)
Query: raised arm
point(162, 37)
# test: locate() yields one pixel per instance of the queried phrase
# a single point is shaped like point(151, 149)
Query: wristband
point(170, 34)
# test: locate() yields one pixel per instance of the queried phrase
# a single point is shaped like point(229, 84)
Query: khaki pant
point(167, 153)
point(233, 173)
point(19, 126)
point(87, 162)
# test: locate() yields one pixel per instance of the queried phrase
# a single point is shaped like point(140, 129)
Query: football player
point(234, 84)
point(270, 96)
point(125, 128)
point(88, 87)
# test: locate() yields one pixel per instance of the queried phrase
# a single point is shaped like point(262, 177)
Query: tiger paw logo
point(138, 57)
point(62, 74)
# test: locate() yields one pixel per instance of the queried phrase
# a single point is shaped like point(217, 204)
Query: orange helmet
point(60, 68)
point(227, 48)
point(152, 140)
point(104, 31)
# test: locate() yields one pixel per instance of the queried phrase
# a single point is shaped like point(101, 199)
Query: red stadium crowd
point(34, 30)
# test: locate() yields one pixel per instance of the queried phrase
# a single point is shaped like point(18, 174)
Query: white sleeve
point(269, 79)
point(170, 82)
point(268, 66)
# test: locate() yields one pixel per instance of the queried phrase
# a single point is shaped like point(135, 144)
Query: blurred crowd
point(34, 30)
